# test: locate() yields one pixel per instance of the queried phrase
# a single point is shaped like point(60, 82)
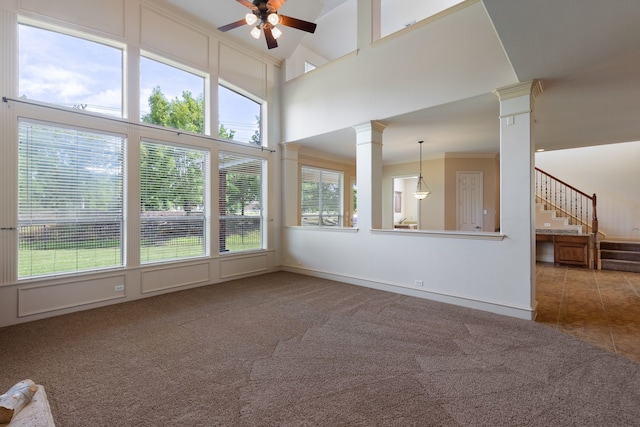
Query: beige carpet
point(289, 350)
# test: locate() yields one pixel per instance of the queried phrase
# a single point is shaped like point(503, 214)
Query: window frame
point(322, 221)
point(178, 215)
point(121, 216)
point(206, 98)
point(69, 32)
point(224, 218)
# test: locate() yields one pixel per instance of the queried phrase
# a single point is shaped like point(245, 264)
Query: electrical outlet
point(118, 288)
point(418, 283)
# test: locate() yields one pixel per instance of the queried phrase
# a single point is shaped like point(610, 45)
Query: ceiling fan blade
point(233, 25)
point(299, 24)
point(248, 4)
point(271, 41)
point(274, 5)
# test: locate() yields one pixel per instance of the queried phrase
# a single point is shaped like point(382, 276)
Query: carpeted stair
point(620, 255)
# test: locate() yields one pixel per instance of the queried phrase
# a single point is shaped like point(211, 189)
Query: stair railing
point(579, 207)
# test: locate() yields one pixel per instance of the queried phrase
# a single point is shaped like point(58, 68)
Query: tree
point(241, 189)
point(172, 177)
point(225, 133)
point(255, 138)
point(186, 113)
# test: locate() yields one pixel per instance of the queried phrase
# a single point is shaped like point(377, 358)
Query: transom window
point(240, 117)
point(70, 71)
point(308, 66)
point(321, 197)
point(171, 97)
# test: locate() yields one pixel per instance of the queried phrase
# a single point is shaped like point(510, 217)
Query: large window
point(239, 117)
point(321, 197)
point(171, 97)
point(173, 202)
point(240, 196)
point(70, 209)
point(70, 71)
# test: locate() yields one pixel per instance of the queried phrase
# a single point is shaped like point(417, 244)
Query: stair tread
point(619, 246)
point(620, 265)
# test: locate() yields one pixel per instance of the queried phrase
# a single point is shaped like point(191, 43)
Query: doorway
point(470, 211)
point(406, 210)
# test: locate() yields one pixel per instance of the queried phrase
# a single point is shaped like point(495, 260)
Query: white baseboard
point(489, 306)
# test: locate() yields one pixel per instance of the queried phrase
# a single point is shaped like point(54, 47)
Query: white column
point(517, 161)
point(369, 174)
point(376, 19)
point(290, 183)
point(366, 29)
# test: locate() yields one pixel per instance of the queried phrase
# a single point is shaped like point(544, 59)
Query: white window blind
point(173, 208)
point(240, 195)
point(70, 208)
point(321, 197)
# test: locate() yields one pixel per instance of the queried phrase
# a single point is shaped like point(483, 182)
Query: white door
point(469, 196)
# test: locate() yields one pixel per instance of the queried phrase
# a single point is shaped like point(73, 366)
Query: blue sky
point(70, 71)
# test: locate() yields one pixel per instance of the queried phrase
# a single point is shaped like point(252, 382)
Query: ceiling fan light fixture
point(250, 18)
point(264, 17)
point(273, 19)
point(275, 32)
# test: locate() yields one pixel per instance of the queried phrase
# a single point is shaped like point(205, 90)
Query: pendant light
point(422, 191)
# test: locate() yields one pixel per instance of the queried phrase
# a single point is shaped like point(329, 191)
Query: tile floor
point(601, 307)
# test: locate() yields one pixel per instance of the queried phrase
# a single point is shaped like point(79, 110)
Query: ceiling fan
point(265, 13)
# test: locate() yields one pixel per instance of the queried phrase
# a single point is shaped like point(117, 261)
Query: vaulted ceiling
point(586, 53)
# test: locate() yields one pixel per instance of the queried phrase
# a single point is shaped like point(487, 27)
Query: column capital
point(372, 125)
point(518, 99)
point(369, 132)
point(532, 87)
point(290, 150)
point(290, 146)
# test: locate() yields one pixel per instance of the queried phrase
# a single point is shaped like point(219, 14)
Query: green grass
point(38, 262)
point(180, 247)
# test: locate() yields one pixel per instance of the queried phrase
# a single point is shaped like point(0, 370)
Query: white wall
point(488, 271)
point(398, 74)
point(612, 172)
point(397, 14)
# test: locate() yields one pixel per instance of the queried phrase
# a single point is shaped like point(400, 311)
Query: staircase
point(547, 219)
point(564, 201)
point(562, 210)
point(620, 256)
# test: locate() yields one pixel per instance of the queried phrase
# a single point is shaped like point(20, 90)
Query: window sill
point(334, 229)
point(443, 233)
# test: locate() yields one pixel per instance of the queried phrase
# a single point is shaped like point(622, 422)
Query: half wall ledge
point(444, 234)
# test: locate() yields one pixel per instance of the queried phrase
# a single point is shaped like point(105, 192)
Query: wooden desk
point(572, 249)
